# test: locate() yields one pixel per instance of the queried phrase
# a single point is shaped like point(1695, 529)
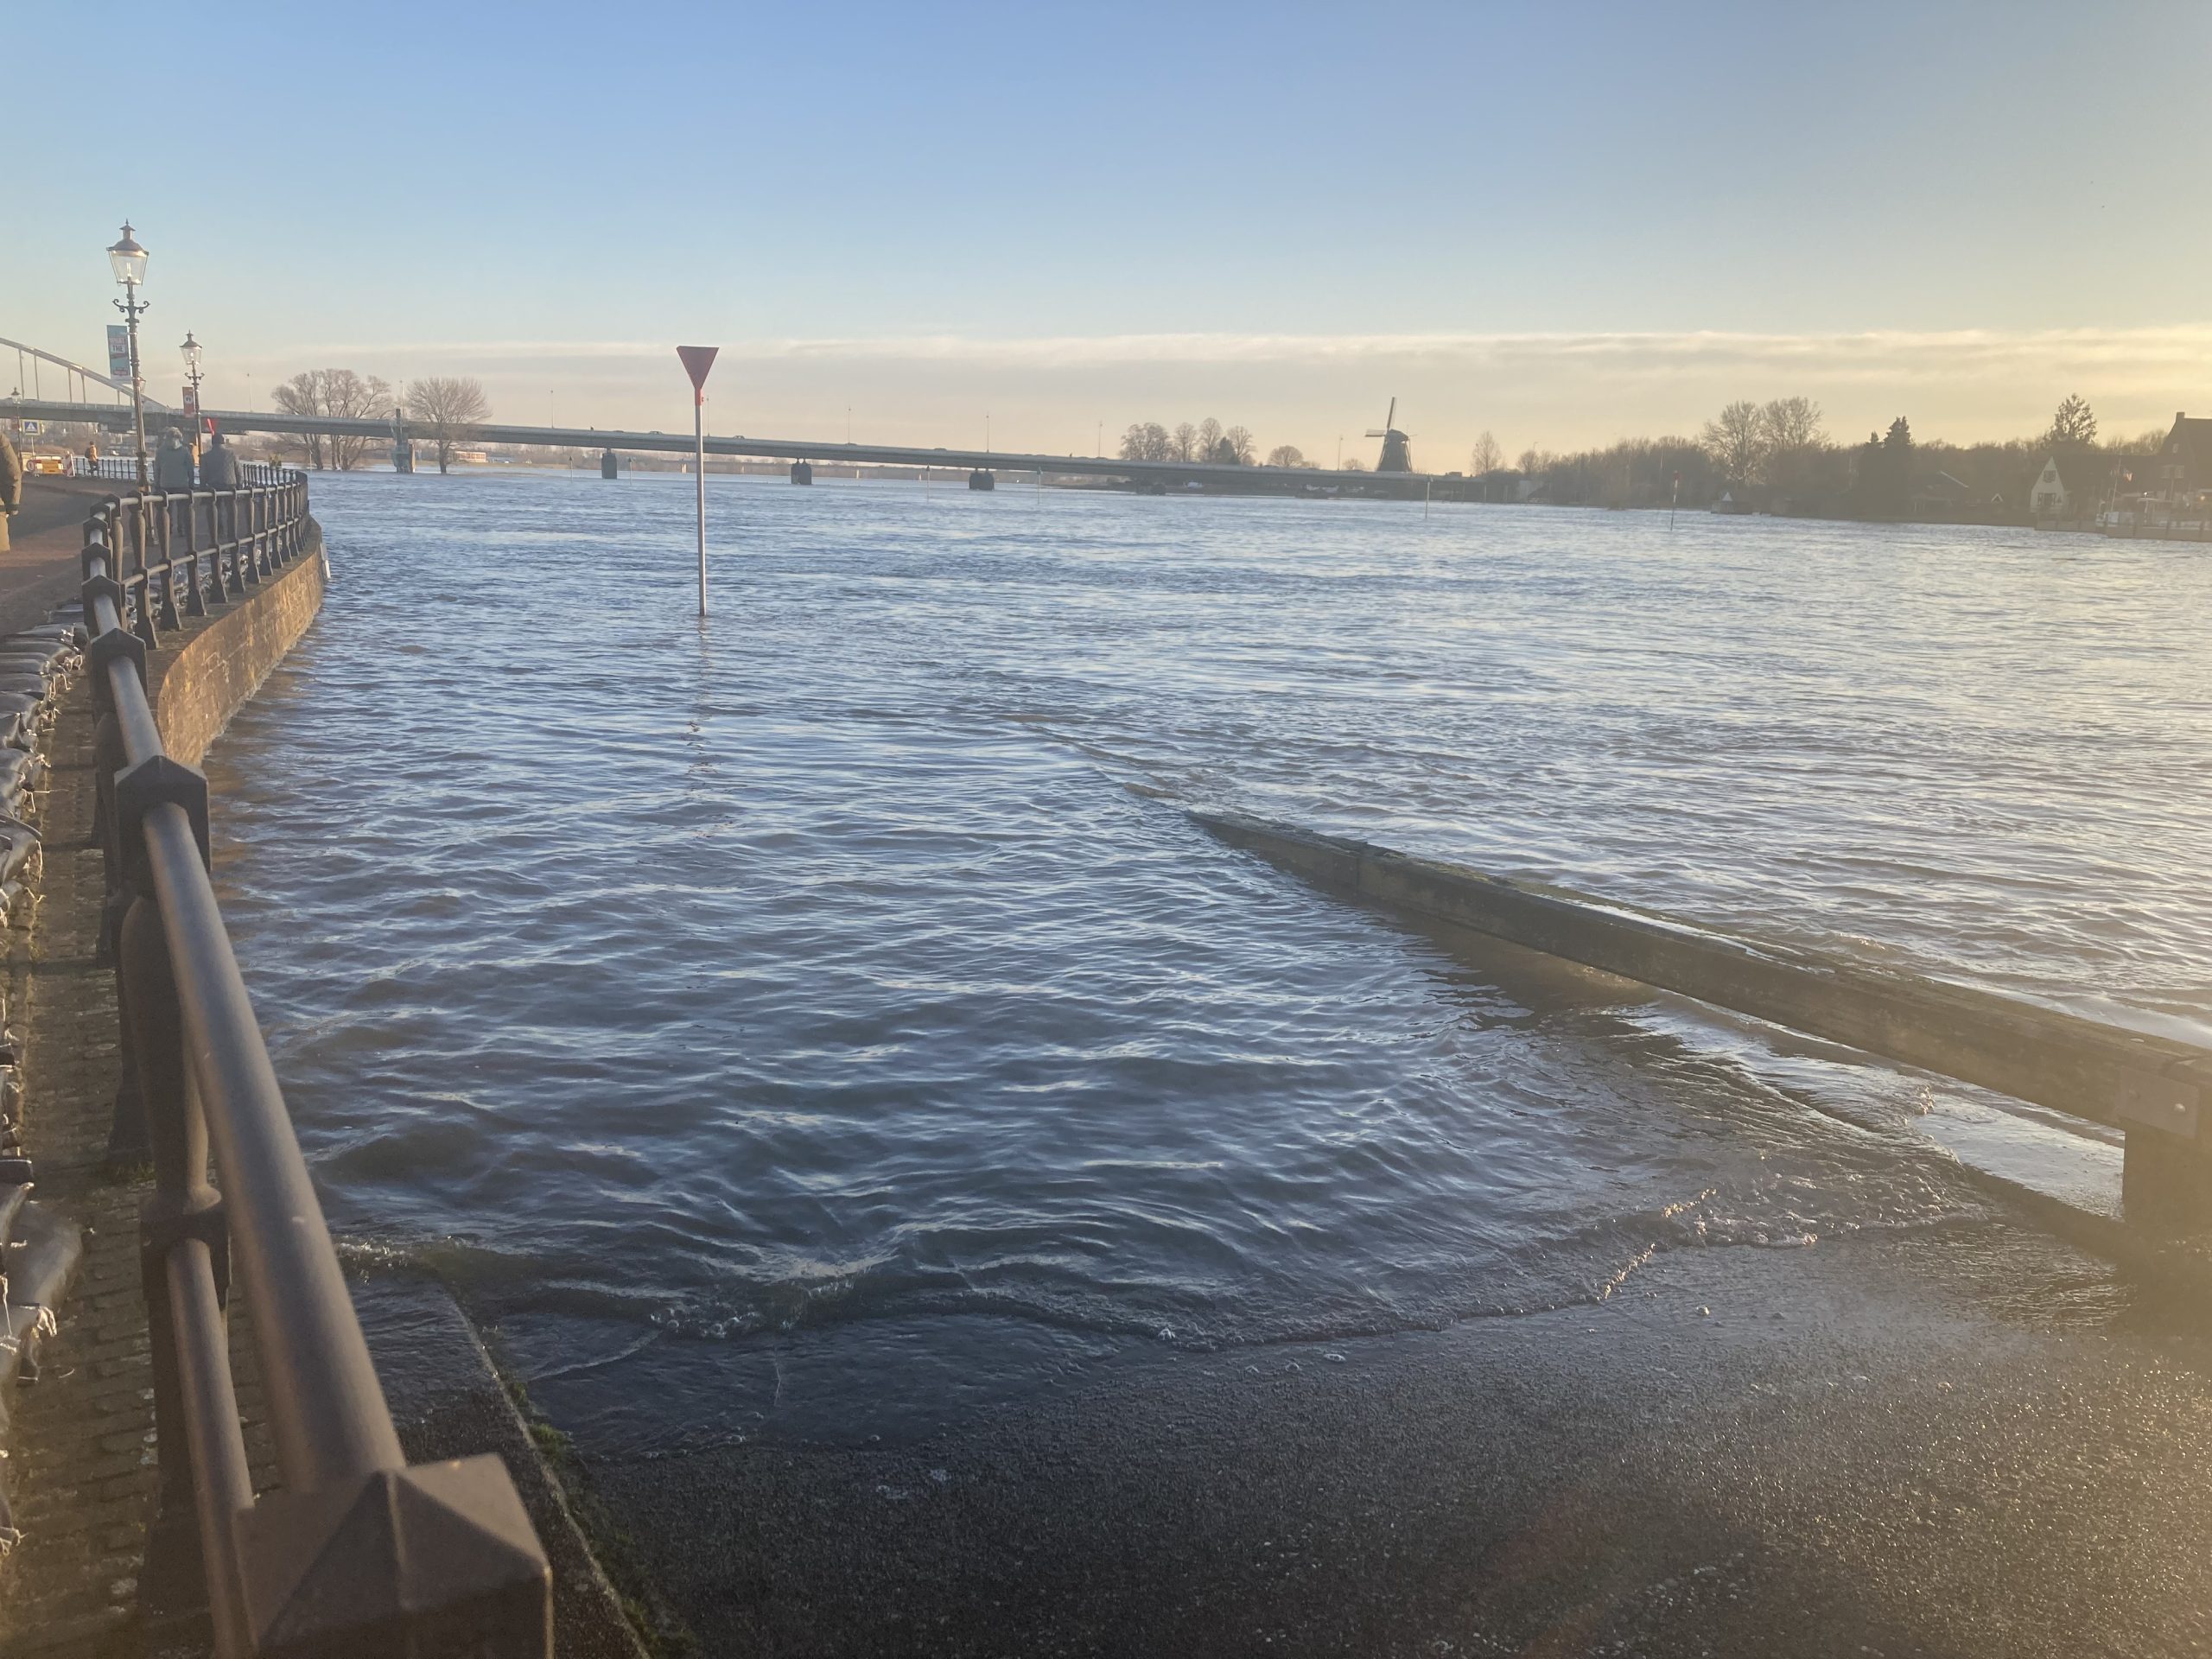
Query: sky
point(1562, 223)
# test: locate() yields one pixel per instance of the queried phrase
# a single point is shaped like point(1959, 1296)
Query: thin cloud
point(1067, 393)
point(1884, 353)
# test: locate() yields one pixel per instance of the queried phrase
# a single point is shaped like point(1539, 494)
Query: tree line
point(445, 410)
point(1207, 443)
point(1778, 454)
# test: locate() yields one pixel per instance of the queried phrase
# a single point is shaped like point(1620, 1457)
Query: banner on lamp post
point(119, 351)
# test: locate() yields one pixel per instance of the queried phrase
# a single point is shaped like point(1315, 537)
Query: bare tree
point(1238, 446)
point(1487, 457)
point(1530, 463)
point(1353, 464)
point(350, 397)
point(1736, 439)
point(1286, 454)
point(1790, 424)
point(1209, 438)
point(1790, 435)
point(1148, 441)
point(1186, 441)
point(303, 395)
point(338, 394)
point(447, 408)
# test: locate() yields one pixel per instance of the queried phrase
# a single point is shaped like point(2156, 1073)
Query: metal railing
point(354, 1551)
point(123, 469)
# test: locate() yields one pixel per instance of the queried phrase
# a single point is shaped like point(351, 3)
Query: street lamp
point(129, 262)
point(190, 351)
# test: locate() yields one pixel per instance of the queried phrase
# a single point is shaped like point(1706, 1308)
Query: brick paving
point(81, 1464)
point(81, 1470)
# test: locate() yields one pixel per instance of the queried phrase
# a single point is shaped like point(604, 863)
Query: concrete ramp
point(2154, 1087)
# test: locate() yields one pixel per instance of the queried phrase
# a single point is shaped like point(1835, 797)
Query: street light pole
point(129, 260)
point(192, 376)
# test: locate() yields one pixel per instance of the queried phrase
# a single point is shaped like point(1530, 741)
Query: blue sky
point(1560, 222)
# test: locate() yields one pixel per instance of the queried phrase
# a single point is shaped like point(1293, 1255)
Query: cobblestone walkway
point(82, 1469)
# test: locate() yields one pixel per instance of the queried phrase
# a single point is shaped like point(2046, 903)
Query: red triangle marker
point(697, 359)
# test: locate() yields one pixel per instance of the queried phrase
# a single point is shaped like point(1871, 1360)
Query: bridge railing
point(354, 1551)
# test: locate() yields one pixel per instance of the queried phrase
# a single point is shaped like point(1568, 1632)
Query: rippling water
point(849, 956)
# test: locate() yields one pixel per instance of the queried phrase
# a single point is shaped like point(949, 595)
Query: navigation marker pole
point(1675, 502)
point(697, 360)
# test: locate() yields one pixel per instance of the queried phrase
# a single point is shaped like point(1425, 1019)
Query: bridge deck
point(864, 455)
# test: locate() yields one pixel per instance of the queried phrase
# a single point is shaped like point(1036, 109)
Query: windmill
point(1396, 457)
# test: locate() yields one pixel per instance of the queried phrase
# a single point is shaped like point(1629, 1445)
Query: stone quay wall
point(196, 687)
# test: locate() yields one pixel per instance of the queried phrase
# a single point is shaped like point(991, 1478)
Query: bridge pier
point(802, 472)
point(610, 464)
point(982, 479)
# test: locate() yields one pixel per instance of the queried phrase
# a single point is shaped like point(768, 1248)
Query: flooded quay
point(951, 1203)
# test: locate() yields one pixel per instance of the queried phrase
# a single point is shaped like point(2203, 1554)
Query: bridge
point(1166, 474)
point(31, 357)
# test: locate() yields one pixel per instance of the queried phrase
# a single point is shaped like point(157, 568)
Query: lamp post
point(190, 352)
point(129, 262)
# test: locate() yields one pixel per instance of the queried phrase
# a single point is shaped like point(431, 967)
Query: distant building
point(2073, 484)
point(1939, 495)
point(2181, 473)
point(2172, 485)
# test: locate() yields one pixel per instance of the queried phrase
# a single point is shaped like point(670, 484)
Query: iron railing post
point(195, 600)
point(182, 1205)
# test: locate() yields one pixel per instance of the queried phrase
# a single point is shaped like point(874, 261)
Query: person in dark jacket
point(218, 470)
point(173, 462)
point(11, 487)
point(172, 474)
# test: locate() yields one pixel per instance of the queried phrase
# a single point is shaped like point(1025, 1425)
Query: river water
point(846, 965)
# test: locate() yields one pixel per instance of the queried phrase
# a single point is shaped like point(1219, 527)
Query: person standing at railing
point(11, 487)
point(173, 463)
point(218, 470)
point(173, 476)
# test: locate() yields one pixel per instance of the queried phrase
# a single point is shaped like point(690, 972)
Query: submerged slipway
point(952, 1203)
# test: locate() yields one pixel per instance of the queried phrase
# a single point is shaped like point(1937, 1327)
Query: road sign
point(31, 429)
point(118, 351)
point(697, 359)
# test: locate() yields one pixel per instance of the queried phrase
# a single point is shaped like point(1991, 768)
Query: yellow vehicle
point(50, 463)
